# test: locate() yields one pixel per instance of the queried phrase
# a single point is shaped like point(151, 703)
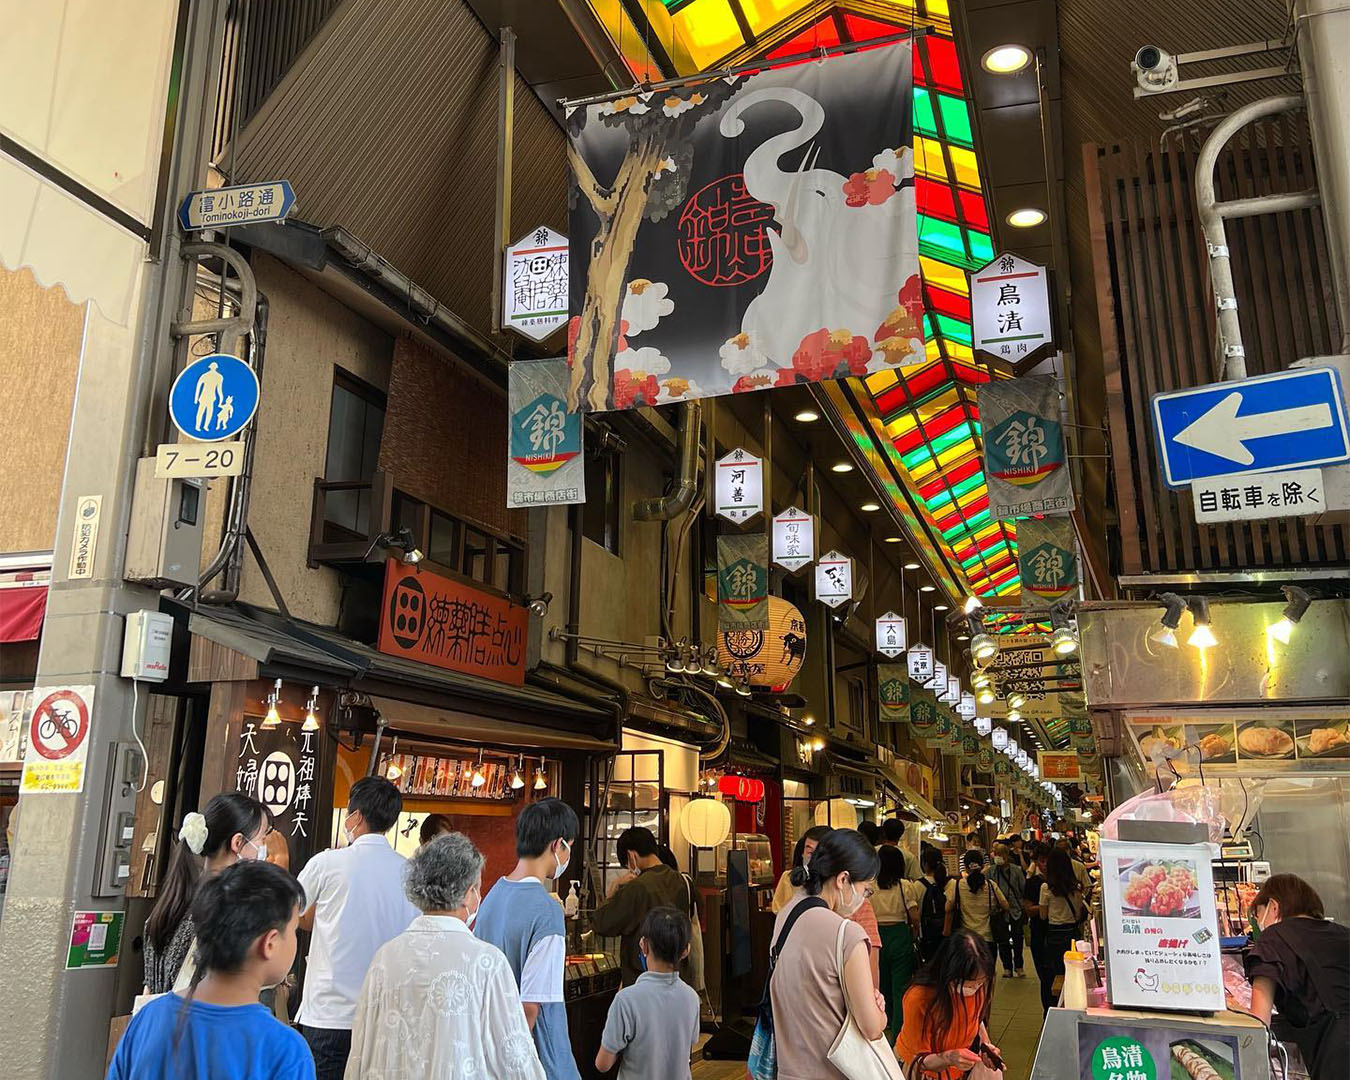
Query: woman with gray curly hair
point(436, 1000)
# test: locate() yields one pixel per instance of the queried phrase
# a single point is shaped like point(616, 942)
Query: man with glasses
point(520, 916)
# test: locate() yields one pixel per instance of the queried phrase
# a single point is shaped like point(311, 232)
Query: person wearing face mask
point(1009, 879)
point(232, 828)
point(438, 1001)
point(521, 917)
point(356, 904)
point(649, 883)
point(807, 991)
point(946, 1009)
point(801, 855)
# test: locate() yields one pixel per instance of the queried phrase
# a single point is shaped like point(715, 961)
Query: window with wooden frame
point(462, 549)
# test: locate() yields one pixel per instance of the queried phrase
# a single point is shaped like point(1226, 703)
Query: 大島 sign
point(921, 663)
point(1010, 311)
point(452, 625)
point(794, 539)
point(1162, 928)
point(743, 582)
point(58, 740)
point(834, 579)
point(1024, 448)
point(739, 486)
point(1048, 559)
point(893, 693)
point(534, 292)
point(749, 231)
point(891, 634)
point(545, 466)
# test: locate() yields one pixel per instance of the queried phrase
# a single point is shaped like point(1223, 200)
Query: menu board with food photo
point(1245, 742)
point(1322, 739)
point(1162, 932)
point(1108, 1051)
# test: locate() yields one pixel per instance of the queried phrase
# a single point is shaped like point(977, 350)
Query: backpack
point(932, 913)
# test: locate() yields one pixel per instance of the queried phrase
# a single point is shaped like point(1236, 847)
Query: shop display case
point(759, 852)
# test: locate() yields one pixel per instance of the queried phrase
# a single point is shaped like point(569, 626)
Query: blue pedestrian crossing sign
point(1289, 420)
point(214, 398)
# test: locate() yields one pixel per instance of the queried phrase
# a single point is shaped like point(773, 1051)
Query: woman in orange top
point(945, 1010)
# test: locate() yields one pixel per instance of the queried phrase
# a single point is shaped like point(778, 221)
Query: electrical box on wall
point(125, 771)
point(164, 543)
point(146, 647)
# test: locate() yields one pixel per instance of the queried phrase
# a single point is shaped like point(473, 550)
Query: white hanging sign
point(983, 726)
point(834, 579)
point(739, 489)
point(966, 707)
point(939, 683)
point(794, 539)
point(1010, 310)
point(891, 634)
point(953, 695)
point(999, 738)
point(535, 289)
point(920, 661)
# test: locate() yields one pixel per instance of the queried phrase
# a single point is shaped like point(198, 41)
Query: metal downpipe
point(671, 506)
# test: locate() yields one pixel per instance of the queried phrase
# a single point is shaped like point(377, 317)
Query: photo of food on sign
point(1320, 739)
point(1202, 1059)
point(1266, 738)
point(1166, 889)
point(1119, 1052)
point(1216, 742)
point(1161, 738)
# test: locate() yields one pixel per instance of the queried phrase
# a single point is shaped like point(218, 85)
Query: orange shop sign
point(448, 623)
point(1059, 765)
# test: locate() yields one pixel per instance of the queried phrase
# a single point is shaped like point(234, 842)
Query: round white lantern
point(705, 822)
point(837, 814)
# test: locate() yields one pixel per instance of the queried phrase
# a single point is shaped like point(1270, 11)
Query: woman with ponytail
point(233, 828)
point(974, 902)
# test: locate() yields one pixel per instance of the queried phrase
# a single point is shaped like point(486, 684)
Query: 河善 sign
point(1010, 311)
point(738, 485)
point(545, 466)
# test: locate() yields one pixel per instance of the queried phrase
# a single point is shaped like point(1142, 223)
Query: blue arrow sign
point(246, 204)
point(1288, 420)
point(214, 398)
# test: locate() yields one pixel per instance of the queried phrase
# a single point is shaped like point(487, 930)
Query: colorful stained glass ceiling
point(928, 410)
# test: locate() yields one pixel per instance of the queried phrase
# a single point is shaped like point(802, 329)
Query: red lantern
point(742, 788)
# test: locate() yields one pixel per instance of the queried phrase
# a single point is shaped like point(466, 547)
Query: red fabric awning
point(21, 612)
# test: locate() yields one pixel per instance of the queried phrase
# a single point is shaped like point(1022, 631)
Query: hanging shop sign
point(939, 683)
point(794, 539)
point(739, 486)
point(970, 746)
point(545, 466)
point(834, 579)
point(242, 204)
point(1010, 311)
point(214, 398)
point(769, 658)
point(1047, 557)
point(1024, 448)
point(940, 735)
point(278, 766)
point(1162, 927)
point(1060, 765)
point(923, 714)
point(953, 695)
point(535, 284)
point(743, 582)
point(998, 738)
point(984, 758)
point(891, 634)
point(893, 693)
point(921, 663)
point(983, 725)
point(58, 740)
point(685, 190)
point(1259, 495)
point(450, 624)
point(965, 708)
point(1123, 1051)
point(95, 939)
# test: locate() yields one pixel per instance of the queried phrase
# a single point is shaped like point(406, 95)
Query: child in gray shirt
point(653, 1025)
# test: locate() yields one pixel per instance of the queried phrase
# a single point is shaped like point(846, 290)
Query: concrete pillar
point(53, 1022)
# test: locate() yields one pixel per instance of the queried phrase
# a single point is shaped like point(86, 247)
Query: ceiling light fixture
point(891, 539)
point(1028, 217)
point(1014, 716)
point(911, 566)
point(1297, 606)
point(1064, 641)
point(870, 507)
point(392, 771)
point(806, 416)
point(973, 604)
point(986, 695)
point(311, 711)
point(541, 775)
point(939, 607)
point(1006, 59)
point(1174, 606)
point(478, 779)
point(1202, 637)
point(842, 467)
point(518, 781)
point(927, 588)
point(983, 647)
point(1017, 700)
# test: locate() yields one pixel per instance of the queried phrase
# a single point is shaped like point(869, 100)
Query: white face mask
point(346, 832)
point(561, 868)
point(254, 850)
point(855, 901)
point(472, 915)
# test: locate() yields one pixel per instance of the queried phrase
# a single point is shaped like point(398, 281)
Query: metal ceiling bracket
point(1217, 251)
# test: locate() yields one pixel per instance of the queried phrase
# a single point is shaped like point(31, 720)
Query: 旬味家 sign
point(739, 486)
point(450, 624)
point(535, 289)
point(834, 579)
point(1024, 448)
point(891, 634)
point(794, 539)
point(545, 465)
point(1010, 311)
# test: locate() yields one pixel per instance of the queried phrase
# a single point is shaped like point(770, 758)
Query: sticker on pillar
point(739, 486)
point(214, 398)
point(95, 939)
point(794, 539)
point(58, 741)
point(743, 582)
point(84, 544)
point(891, 634)
point(834, 579)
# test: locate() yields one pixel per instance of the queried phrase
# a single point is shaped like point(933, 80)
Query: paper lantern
point(837, 814)
point(741, 788)
point(705, 822)
point(767, 658)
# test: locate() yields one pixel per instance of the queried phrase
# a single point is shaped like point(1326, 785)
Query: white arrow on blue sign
point(1292, 419)
point(214, 398)
point(245, 204)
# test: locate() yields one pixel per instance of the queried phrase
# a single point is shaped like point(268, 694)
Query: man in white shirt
point(356, 904)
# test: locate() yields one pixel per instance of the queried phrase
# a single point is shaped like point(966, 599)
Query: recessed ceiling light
point(911, 566)
point(869, 507)
point(939, 607)
point(1006, 59)
point(962, 637)
point(842, 466)
point(927, 588)
point(807, 416)
point(1026, 218)
point(892, 539)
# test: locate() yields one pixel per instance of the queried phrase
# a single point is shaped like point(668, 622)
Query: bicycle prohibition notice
point(60, 724)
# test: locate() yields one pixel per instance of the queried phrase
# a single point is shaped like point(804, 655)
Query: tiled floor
point(1014, 1025)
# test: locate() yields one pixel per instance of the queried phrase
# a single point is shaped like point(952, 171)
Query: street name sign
point(1259, 495)
point(245, 204)
point(1289, 420)
point(214, 398)
point(175, 460)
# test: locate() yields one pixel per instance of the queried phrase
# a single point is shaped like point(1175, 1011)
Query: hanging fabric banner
point(891, 634)
point(923, 715)
point(921, 662)
point(947, 713)
point(794, 539)
point(893, 693)
point(1024, 448)
point(1048, 560)
point(834, 579)
point(546, 466)
point(743, 582)
point(749, 231)
point(940, 734)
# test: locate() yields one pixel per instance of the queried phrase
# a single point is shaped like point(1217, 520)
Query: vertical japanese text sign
point(279, 767)
point(891, 634)
point(1010, 311)
point(834, 579)
point(739, 486)
point(794, 539)
point(534, 294)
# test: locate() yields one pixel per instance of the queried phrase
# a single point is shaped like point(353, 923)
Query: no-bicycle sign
point(58, 740)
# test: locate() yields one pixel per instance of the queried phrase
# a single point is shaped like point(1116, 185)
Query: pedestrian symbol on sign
point(214, 398)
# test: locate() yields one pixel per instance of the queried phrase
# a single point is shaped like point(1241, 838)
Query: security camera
point(1155, 70)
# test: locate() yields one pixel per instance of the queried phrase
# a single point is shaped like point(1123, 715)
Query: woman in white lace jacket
point(437, 1002)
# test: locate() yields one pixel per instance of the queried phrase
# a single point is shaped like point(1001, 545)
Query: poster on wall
point(1047, 555)
point(1122, 1051)
point(743, 582)
point(893, 693)
point(1245, 742)
point(699, 264)
point(58, 740)
point(1162, 928)
point(1024, 448)
point(14, 706)
point(545, 466)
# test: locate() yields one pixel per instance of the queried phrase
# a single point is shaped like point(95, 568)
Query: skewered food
point(1196, 1064)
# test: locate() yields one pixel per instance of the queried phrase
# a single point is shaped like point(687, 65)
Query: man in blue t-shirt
point(246, 918)
point(521, 916)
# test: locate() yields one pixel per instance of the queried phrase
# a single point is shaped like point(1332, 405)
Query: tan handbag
point(853, 1054)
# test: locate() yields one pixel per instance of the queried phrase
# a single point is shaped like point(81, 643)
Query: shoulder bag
point(853, 1053)
point(998, 918)
point(762, 1063)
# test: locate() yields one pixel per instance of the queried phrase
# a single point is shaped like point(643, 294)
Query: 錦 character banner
point(893, 693)
point(751, 231)
point(1048, 559)
point(743, 582)
point(1024, 449)
point(545, 466)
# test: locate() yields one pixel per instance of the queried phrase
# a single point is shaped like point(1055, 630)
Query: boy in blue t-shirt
point(653, 1025)
point(246, 918)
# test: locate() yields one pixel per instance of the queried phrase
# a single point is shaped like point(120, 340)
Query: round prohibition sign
point(60, 724)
